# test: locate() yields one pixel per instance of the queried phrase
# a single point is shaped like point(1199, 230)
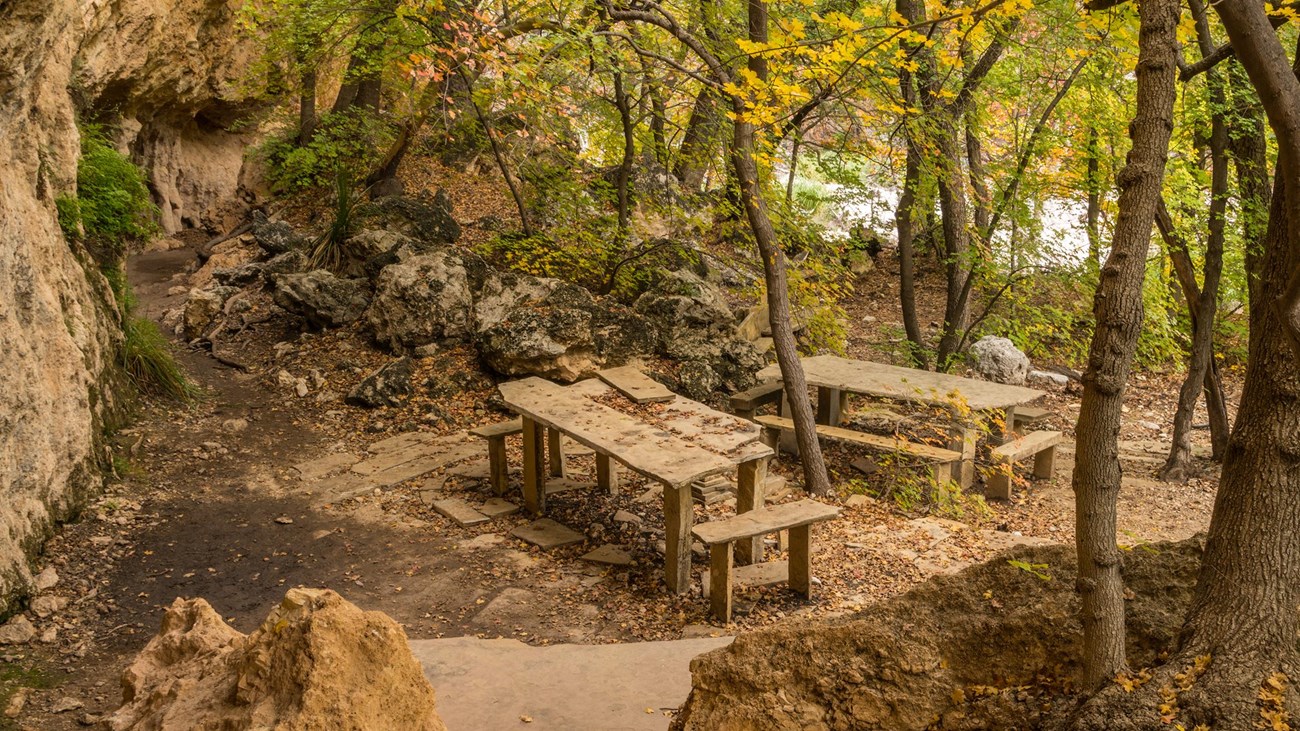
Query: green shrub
point(112, 207)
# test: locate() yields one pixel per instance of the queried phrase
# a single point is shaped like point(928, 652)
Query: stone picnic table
point(834, 376)
point(674, 443)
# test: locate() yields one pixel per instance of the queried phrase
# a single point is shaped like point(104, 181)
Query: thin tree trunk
point(307, 106)
point(624, 106)
point(906, 214)
point(500, 158)
point(978, 181)
point(1205, 306)
point(816, 480)
point(956, 239)
point(794, 165)
point(1092, 181)
point(695, 150)
point(1118, 310)
point(348, 89)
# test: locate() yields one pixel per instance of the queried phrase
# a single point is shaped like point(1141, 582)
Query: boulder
point(316, 662)
point(998, 359)
point(276, 237)
point(423, 299)
point(564, 333)
point(733, 362)
point(698, 379)
point(388, 386)
point(202, 308)
point(321, 298)
point(226, 255)
point(683, 303)
point(421, 217)
point(363, 249)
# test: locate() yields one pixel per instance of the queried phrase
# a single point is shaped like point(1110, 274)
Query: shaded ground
point(210, 506)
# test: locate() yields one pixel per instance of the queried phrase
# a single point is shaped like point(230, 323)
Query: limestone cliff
point(164, 69)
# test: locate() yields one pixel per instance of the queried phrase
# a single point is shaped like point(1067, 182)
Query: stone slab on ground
point(320, 467)
point(757, 574)
point(492, 684)
point(498, 508)
point(609, 554)
point(547, 534)
point(564, 484)
point(459, 511)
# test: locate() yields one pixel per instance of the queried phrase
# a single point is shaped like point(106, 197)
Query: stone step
point(459, 512)
point(757, 574)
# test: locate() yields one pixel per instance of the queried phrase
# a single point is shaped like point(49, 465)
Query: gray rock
point(388, 386)
point(321, 298)
point(425, 218)
point(290, 262)
point(698, 379)
point(277, 237)
point(423, 299)
point(202, 308)
point(555, 329)
point(17, 631)
point(998, 359)
point(682, 304)
point(1059, 379)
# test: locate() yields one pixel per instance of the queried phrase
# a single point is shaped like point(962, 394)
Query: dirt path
point(210, 506)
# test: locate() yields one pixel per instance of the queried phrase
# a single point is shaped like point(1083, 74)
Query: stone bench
point(1026, 416)
point(746, 403)
point(1040, 444)
point(722, 535)
point(496, 434)
point(944, 464)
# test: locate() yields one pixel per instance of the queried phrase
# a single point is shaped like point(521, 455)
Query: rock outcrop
point(320, 298)
point(164, 65)
point(316, 662)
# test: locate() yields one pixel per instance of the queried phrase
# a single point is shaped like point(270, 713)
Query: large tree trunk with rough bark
point(816, 481)
point(1119, 312)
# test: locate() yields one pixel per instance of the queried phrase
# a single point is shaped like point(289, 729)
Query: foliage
point(1039, 570)
point(112, 207)
point(349, 143)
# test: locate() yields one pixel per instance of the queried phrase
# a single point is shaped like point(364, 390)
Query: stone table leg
point(606, 474)
point(964, 439)
point(554, 452)
point(679, 514)
point(534, 467)
point(829, 406)
point(1009, 432)
point(750, 482)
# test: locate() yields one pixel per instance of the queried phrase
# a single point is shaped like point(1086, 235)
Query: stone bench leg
point(942, 472)
point(829, 406)
point(498, 470)
point(999, 484)
point(1045, 463)
point(679, 513)
point(751, 479)
point(554, 454)
point(720, 555)
point(801, 560)
point(606, 474)
point(534, 467)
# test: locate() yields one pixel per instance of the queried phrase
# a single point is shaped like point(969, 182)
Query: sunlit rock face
point(163, 72)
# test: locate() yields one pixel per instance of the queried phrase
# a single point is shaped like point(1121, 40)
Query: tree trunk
point(307, 106)
point(1092, 181)
point(1244, 610)
point(956, 239)
point(622, 184)
point(499, 155)
point(696, 148)
point(978, 181)
point(904, 220)
point(1118, 309)
point(816, 480)
point(1205, 306)
point(348, 89)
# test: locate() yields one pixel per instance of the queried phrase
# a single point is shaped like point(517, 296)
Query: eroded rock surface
point(316, 662)
point(939, 655)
